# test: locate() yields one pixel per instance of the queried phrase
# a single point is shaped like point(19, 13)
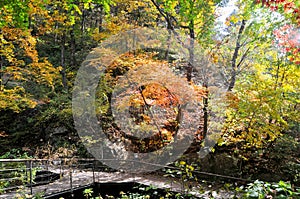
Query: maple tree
point(149, 110)
point(196, 19)
point(287, 36)
point(288, 7)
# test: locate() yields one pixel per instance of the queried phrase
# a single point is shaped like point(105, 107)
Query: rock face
point(45, 177)
point(55, 131)
point(219, 164)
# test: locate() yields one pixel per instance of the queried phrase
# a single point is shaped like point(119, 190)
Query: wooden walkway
point(82, 179)
point(86, 178)
point(86, 172)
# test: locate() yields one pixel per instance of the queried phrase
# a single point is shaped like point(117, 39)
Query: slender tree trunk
point(277, 75)
point(73, 48)
point(234, 67)
point(101, 19)
point(191, 53)
point(29, 22)
point(62, 60)
point(205, 113)
point(169, 28)
point(83, 21)
point(56, 35)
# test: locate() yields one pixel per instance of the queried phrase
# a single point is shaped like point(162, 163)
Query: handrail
point(25, 168)
point(64, 164)
point(40, 160)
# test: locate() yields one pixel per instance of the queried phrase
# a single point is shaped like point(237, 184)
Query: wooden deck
point(86, 178)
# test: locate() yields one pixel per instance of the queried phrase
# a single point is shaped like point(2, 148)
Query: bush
point(260, 190)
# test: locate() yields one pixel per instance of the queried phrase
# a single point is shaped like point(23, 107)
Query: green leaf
point(77, 9)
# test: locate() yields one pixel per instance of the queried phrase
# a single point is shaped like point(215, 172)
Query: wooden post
point(94, 171)
point(30, 176)
point(71, 181)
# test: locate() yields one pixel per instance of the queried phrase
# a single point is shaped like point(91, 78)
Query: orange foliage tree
point(146, 101)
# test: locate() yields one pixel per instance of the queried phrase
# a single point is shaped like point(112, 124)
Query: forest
point(201, 85)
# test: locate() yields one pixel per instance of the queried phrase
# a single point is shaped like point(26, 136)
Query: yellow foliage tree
point(19, 60)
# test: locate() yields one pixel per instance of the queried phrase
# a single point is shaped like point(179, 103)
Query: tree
point(264, 100)
point(21, 67)
point(287, 36)
point(144, 96)
point(195, 18)
point(290, 9)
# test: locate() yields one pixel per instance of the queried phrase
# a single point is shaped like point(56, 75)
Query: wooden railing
point(18, 173)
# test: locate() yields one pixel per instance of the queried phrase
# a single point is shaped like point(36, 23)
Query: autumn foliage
point(147, 100)
point(287, 36)
point(288, 6)
point(141, 96)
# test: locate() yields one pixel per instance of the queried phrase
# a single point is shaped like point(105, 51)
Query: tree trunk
point(205, 113)
point(62, 60)
point(101, 19)
point(191, 53)
point(73, 48)
point(83, 21)
point(234, 67)
point(169, 28)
